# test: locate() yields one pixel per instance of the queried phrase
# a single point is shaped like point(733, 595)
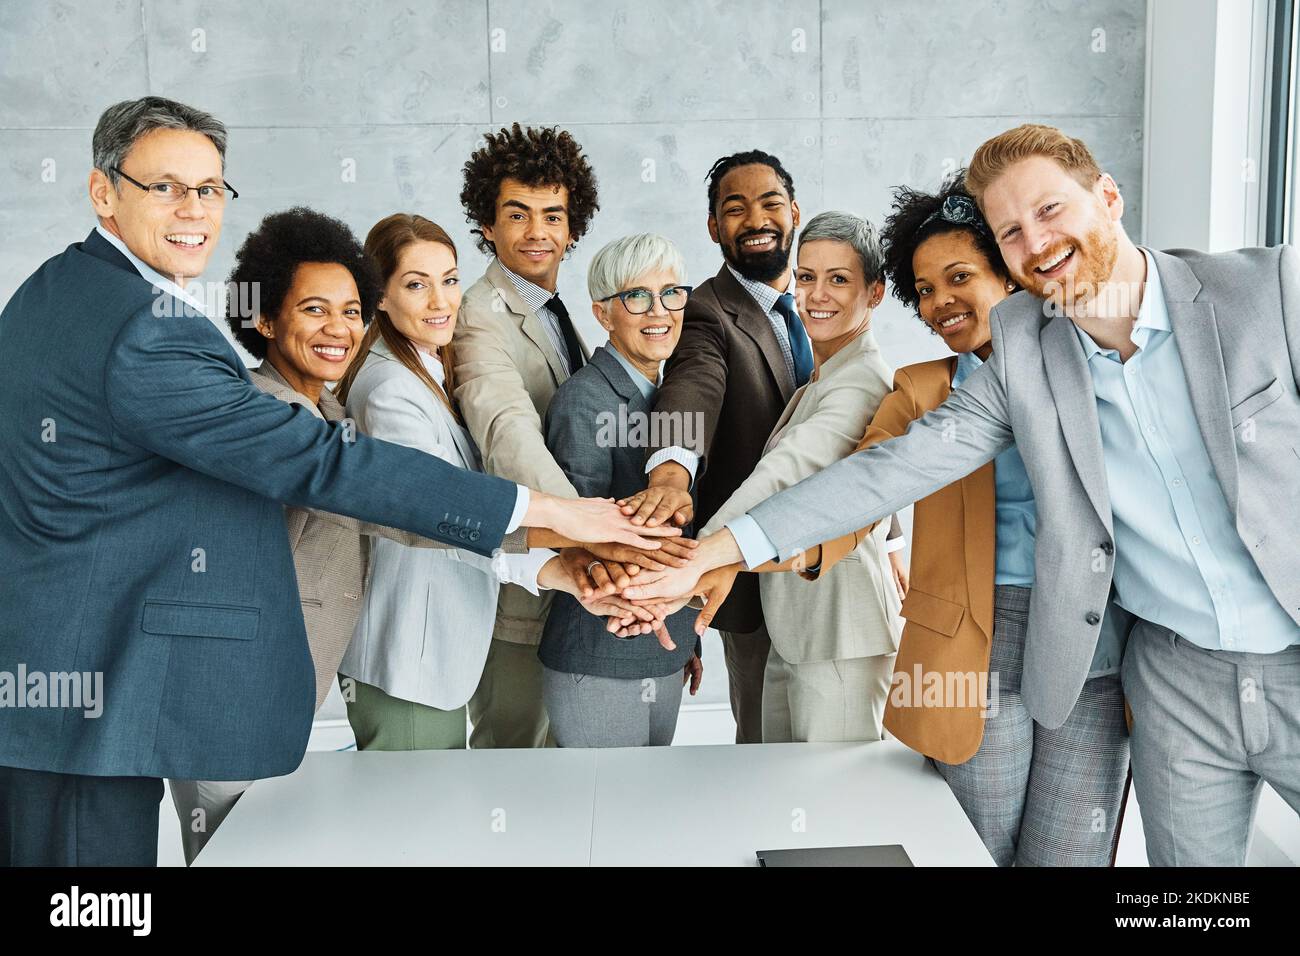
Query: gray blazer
point(573, 640)
point(330, 551)
point(426, 615)
point(1236, 319)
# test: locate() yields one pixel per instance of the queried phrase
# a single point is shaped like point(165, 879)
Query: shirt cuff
point(895, 544)
point(755, 546)
point(683, 456)
point(522, 500)
point(521, 569)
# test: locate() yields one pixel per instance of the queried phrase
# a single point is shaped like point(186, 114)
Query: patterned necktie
point(566, 330)
point(800, 350)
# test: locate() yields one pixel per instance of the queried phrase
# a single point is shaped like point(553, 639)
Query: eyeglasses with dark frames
point(173, 193)
point(639, 301)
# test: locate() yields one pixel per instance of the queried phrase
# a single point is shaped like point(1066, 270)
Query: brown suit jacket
point(949, 606)
point(728, 373)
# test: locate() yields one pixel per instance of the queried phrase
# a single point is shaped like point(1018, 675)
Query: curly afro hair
point(907, 227)
point(535, 157)
point(270, 257)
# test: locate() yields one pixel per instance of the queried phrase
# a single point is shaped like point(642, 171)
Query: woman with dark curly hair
point(1033, 794)
point(315, 293)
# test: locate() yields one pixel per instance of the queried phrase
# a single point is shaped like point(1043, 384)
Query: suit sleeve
point(695, 378)
point(971, 428)
point(829, 433)
point(496, 405)
point(174, 386)
point(571, 426)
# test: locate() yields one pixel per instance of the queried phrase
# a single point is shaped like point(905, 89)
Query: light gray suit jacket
point(852, 609)
point(1236, 320)
point(426, 615)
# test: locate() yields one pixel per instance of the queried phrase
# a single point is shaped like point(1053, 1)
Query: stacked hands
point(630, 564)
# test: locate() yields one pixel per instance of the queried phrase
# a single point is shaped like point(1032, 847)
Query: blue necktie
point(800, 350)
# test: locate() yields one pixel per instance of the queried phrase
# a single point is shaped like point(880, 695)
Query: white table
point(712, 806)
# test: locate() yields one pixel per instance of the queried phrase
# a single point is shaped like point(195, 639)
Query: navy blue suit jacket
point(142, 534)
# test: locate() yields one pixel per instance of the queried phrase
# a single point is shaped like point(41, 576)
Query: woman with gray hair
point(833, 643)
point(600, 689)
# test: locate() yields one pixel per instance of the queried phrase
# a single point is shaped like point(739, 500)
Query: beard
point(759, 266)
point(1094, 257)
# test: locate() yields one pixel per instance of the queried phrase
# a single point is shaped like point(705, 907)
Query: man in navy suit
point(142, 538)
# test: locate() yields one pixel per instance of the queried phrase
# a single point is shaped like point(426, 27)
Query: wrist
point(718, 550)
point(670, 474)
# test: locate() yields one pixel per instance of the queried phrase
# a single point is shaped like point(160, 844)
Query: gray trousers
point(590, 711)
point(746, 659)
point(1208, 728)
point(1040, 797)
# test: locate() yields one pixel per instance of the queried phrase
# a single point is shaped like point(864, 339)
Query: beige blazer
point(506, 372)
point(330, 551)
point(852, 611)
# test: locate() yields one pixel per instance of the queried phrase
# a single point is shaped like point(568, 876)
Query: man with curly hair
point(530, 195)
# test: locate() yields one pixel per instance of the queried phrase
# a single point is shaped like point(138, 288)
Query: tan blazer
point(853, 609)
point(949, 606)
point(506, 372)
point(330, 551)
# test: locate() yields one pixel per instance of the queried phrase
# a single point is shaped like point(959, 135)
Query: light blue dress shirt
point(1179, 561)
point(536, 298)
point(1017, 518)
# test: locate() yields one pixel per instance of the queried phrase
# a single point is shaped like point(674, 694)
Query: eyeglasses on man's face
point(173, 193)
point(639, 301)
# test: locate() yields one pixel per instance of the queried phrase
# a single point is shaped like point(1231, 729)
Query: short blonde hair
point(1031, 139)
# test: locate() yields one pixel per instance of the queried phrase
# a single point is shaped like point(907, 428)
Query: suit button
point(1093, 618)
point(1107, 547)
point(463, 534)
point(474, 535)
point(442, 528)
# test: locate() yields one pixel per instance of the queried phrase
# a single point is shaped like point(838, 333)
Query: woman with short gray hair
point(833, 643)
point(603, 690)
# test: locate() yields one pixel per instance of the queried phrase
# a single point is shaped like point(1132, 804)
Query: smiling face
point(531, 231)
point(318, 328)
point(175, 240)
point(644, 340)
point(834, 296)
point(755, 222)
point(423, 295)
point(1059, 239)
point(956, 289)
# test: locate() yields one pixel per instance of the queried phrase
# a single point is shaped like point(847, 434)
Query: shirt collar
point(643, 384)
point(529, 291)
point(159, 280)
point(761, 292)
point(1153, 313)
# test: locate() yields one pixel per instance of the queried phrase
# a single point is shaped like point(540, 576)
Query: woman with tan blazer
point(1033, 794)
point(833, 644)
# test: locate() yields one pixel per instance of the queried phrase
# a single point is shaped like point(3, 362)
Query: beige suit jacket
point(852, 610)
point(506, 372)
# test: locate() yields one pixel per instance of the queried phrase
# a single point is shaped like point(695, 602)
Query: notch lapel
point(751, 319)
point(1076, 408)
point(1196, 333)
point(529, 323)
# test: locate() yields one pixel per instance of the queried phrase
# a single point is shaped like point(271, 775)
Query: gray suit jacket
point(1236, 320)
point(601, 465)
